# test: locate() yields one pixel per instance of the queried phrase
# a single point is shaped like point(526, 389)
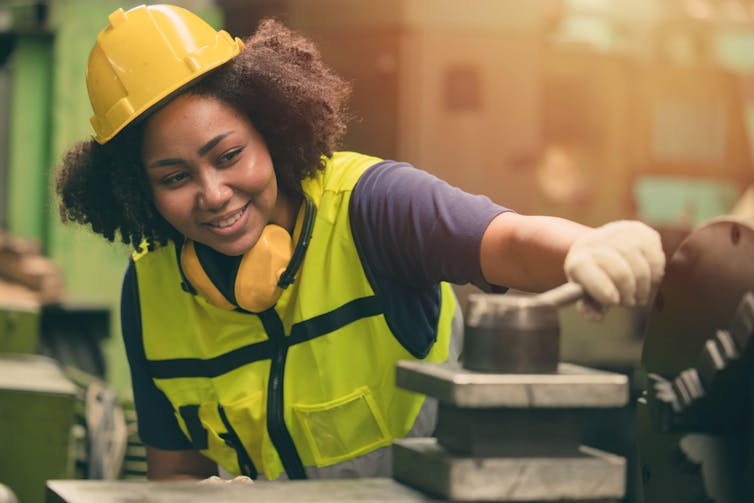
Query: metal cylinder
point(517, 334)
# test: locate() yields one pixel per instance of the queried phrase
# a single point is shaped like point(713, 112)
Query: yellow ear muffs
point(256, 288)
point(263, 272)
point(195, 274)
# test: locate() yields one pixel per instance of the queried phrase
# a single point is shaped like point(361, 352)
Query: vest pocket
point(343, 428)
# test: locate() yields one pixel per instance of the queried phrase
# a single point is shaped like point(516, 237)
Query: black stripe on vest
point(210, 367)
point(335, 319)
point(199, 436)
point(303, 331)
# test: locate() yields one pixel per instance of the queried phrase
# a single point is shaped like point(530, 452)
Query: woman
point(275, 282)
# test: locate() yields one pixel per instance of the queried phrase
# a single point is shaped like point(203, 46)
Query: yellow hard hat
point(145, 54)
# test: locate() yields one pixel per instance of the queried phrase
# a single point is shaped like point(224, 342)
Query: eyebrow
point(202, 151)
point(210, 144)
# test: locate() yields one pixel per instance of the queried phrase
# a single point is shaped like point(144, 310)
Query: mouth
point(227, 220)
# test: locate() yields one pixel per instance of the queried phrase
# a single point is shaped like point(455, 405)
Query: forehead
point(194, 107)
point(192, 118)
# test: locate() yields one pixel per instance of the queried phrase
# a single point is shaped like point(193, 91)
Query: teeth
point(228, 221)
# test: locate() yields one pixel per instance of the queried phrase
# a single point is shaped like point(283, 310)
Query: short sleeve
point(411, 225)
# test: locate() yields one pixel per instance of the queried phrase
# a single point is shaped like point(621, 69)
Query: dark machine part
point(694, 422)
point(517, 334)
point(477, 432)
point(705, 398)
point(73, 333)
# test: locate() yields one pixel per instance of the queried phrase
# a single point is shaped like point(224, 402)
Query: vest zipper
point(279, 434)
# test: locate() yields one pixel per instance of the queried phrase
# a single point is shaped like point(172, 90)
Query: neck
point(286, 211)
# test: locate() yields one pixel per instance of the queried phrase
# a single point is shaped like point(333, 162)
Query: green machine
point(19, 328)
point(37, 424)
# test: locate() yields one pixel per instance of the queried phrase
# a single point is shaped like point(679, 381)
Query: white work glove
point(214, 479)
point(619, 263)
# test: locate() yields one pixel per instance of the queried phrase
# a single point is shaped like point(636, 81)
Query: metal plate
point(704, 282)
point(423, 463)
point(572, 386)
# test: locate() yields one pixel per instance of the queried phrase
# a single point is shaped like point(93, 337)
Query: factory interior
point(590, 110)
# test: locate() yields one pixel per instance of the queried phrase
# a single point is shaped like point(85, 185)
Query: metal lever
point(562, 295)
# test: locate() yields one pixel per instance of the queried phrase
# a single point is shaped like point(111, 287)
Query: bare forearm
point(527, 252)
point(177, 465)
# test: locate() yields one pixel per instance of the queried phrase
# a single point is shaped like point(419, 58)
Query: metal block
point(511, 432)
point(572, 386)
point(36, 419)
point(424, 464)
point(511, 334)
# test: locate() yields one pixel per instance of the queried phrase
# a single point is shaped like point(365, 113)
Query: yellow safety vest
point(308, 382)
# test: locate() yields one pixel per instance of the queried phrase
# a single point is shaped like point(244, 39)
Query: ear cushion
point(198, 278)
point(256, 287)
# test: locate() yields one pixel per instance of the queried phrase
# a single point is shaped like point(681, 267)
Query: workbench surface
point(357, 490)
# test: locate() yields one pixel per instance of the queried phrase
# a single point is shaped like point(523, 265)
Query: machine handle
point(562, 295)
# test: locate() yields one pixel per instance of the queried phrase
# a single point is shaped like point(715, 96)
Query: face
point(211, 174)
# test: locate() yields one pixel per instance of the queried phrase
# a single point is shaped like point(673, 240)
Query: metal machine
point(58, 417)
point(511, 419)
point(695, 420)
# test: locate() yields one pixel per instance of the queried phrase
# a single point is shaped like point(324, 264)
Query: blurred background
point(593, 110)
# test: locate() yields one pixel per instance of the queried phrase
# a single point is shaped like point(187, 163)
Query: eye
point(173, 179)
point(229, 156)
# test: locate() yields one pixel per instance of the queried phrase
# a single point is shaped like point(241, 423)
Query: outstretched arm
point(527, 252)
point(618, 263)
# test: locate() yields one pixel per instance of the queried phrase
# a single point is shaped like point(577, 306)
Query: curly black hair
point(278, 81)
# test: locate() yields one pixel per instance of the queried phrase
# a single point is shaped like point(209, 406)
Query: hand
point(214, 479)
point(619, 263)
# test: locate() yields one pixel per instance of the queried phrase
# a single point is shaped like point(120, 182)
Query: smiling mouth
point(227, 222)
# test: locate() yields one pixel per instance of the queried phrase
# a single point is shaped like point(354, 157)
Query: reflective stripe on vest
point(317, 368)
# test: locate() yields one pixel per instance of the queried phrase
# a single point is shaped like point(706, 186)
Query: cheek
point(169, 206)
point(262, 182)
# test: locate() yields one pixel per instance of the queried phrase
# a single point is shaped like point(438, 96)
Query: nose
point(214, 192)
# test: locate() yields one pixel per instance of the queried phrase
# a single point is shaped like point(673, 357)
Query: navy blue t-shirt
point(412, 230)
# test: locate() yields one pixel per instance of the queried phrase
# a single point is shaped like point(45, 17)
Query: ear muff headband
point(310, 211)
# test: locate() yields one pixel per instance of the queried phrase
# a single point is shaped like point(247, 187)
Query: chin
point(235, 249)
